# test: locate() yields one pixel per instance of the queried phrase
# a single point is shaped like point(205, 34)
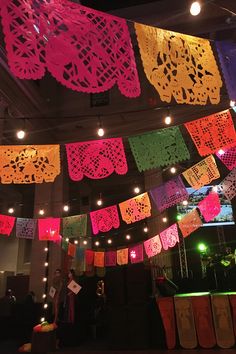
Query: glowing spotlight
point(178, 217)
point(202, 247)
point(195, 8)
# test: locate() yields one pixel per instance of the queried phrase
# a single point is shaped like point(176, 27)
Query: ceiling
point(52, 113)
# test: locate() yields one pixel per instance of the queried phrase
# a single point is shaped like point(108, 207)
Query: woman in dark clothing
point(69, 312)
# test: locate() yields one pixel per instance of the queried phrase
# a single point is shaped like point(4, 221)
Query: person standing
point(69, 312)
point(57, 284)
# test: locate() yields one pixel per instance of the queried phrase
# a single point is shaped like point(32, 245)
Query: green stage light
point(178, 217)
point(202, 247)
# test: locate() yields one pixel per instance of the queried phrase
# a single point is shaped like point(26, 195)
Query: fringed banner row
point(209, 208)
point(97, 159)
point(90, 51)
point(132, 210)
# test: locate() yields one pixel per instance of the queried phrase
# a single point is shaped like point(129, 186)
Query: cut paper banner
point(25, 228)
point(228, 157)
point(227, 55)
point(71, 249)
point(158, 148)
point(64, 245)
point(75, 226)
point(105, 219)
point(169, 237)
point(202, 173)
point(189, 223)
point(29, 164)
point(84, 49)
point(153, 246)
point(49, 229)
point(98, 259)
point(6, 224)
point(136, 253)
point(96, 159)
point(228, 185)
point(179, 66)
point(212, 133)
point(135, 209)
point(210, 206)
point(122, 256)
point(110, 258)
point(169, 193)
point(89, 257)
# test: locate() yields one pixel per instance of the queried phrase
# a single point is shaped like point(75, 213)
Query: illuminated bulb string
point(45, 304)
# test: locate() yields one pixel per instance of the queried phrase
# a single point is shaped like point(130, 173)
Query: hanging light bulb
point(11, 210)
point(99, 202)
point(44, 296)
point(45, 306)
point(109, 241)
point(67, 239)
point(66, 207)
point(45, 249)
point(128, 237)
point(173, 170)
point(164, 219)
point(42, 319)
point(97, 243)
point(41, 212)
point(232, 103)
point(168, 119)
point(76, 242)
point(85, 242)
point(100, 132)
point(185, 202)
point(136, 190)
point(221, 152)
point(215, 188)
point(44, 279)
point(145, 229)
point(46, 264)
point(195, 8)
point(20, 134)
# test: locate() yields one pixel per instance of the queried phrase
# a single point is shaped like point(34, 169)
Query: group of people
point(64, 298)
